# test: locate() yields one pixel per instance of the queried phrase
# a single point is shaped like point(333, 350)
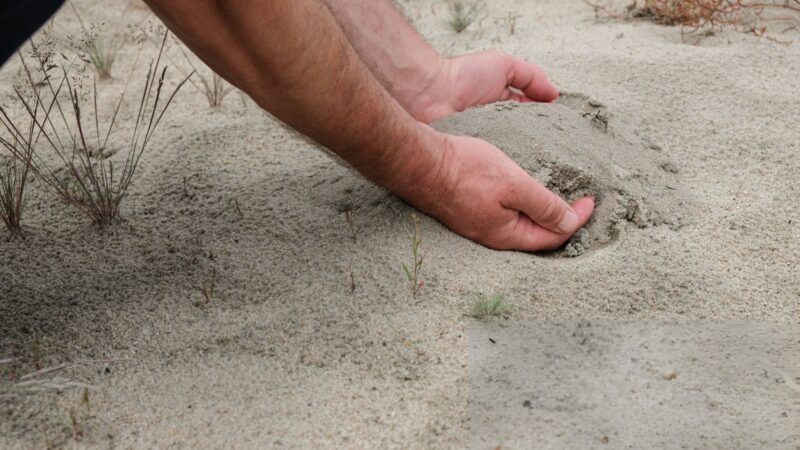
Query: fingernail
point(569, 223)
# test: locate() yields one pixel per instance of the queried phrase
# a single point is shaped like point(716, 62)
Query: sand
point(575, 152)
point(312, 338)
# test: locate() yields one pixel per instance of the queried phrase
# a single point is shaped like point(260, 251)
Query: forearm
point(398, 56)
point(294, 60)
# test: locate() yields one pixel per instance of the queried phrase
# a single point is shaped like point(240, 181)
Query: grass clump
point(488, 307)
point(13, 179)
point(90, 179)
point(99, 43)
point(209, 83)
point(414, 272)
point(462, 14)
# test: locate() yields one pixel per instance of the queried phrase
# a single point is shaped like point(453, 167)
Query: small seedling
point(486, 307)
point(209, 289)
point(77, 416)
point(238, 209)
point(462, 14)
point(348, 215)
point(414, 273)
point(511, 23)
point(76, 427)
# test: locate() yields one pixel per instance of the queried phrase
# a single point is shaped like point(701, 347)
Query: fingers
point(545, 208)
point(528, 236)
point(531, 80)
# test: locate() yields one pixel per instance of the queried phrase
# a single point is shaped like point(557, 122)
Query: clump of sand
point(572, 149)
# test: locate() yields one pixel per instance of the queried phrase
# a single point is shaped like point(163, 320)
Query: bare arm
point(398, 56)
point(426, 84)
point(294, 60)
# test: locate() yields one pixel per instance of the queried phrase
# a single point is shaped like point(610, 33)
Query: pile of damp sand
point(572, 148)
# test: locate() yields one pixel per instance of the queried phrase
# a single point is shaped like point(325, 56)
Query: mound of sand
point(576, 153)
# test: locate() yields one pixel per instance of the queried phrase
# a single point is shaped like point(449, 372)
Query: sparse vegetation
point(462, 14)
point(100, 44)
point(414, 273)
point(486, 307)
point(511, 23)
point(45, 380)
point(72, 408)
point(348, 215)
point(90, 179)
point(207, 82)
point(209, 288)
point(13, 180)
point(701, 15)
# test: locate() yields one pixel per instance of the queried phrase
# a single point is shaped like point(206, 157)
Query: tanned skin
point(426, 84)
point(369, 104)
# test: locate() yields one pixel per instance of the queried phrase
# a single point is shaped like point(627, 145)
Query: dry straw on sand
point(703, 15)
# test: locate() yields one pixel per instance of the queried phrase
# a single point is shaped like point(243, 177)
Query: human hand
point(477, 79)
point(481, 194)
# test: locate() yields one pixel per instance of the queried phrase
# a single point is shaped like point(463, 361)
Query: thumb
point(530, 79)
point(545, 208)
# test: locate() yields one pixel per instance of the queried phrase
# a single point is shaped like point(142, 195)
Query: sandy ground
point(633, 384)
point(312, 338)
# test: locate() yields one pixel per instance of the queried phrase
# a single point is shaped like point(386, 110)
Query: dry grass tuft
point(13, 180)
point(210, 84)
point(704, 15)
point(90, 179)
point(100, 43)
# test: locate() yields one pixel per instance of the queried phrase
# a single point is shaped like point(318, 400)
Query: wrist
point(421, 94)
point(421, 175)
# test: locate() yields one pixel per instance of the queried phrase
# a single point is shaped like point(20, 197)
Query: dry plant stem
point(13, 180)
point(348, 215)
point(96, 188)
point(511, 23)
point(34, 382)
point(695, 15)
point(215, 90)
point(418, 257)
point(209, 288)
point(102, 51)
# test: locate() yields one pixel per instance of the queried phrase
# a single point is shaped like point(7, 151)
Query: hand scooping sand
point(356, 77)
